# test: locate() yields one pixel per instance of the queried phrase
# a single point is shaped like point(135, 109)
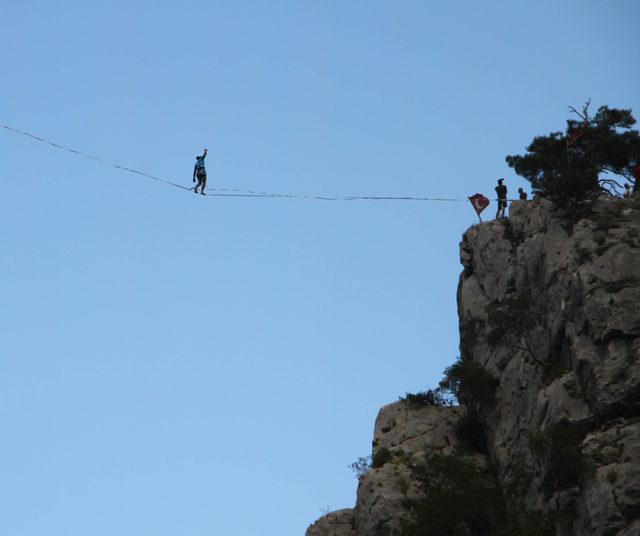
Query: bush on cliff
point(459, 497)
point(380, 457)
point(361, 467)
point(430, 397)
point(474, 388)
point(364, 464)
point(470, 384)
point(463, 498)
point(558, 448)
point(592, 155)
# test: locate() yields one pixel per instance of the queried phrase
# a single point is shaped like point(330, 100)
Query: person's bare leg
point(204, 183)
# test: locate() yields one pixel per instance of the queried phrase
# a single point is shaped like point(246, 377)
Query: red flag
point(636, 172)
point(575, 136)
point(479, 202)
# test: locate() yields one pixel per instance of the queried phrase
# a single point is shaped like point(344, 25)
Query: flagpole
point(479, 202)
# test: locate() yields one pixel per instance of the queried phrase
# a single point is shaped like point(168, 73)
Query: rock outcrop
point(403, 433)
point(549, 305)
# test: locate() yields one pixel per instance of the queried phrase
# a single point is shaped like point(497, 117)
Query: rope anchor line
point(228, 192)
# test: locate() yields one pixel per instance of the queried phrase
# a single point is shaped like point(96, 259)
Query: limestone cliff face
point(550, 306)
point(406, 432)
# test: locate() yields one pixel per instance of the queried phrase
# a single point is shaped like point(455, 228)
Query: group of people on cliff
point(501, 192)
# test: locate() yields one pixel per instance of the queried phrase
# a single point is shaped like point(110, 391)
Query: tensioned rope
point(227, 192)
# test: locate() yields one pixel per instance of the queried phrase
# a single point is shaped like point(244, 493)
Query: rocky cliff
point(549, 307)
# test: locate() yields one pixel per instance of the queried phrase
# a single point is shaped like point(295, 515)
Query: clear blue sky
point(172, 364)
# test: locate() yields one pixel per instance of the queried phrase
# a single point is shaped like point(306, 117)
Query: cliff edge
point(549, 307)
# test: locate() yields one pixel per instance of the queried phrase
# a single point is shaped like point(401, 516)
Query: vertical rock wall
point(550, 306)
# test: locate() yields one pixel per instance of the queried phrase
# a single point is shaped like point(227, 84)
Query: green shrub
point(584, 160)
point(380, 457)
point(462, 498)
point(364, 464)
point(558, 449)
point(459, 497)
point(529, 524)
point(431, 397)
point(470, 384)
point(470, 432)
point(512, 315)
point(361, 467)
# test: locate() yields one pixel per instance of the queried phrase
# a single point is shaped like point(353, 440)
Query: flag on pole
point(575, 136)
point(479, 202)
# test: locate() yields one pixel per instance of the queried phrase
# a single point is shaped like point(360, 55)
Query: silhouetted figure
point(501, 190)
point(523, 194)
point(200, 173)
point(627, 190)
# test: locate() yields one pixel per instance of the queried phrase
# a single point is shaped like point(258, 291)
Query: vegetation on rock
point(558, 448)
point(471, 385)
point(361, 467)
point(380, 457)
point(462, 498)
point(590, 156)
point(430, 397)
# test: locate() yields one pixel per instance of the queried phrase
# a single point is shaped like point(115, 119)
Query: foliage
point(558, 449)
point(459, 497)
point(462, 498)
point(361, 467)
point(470, 431)
point(584, 159)
point(380, 457)
point(364, 464)
point(431, 397)
point(519, 316)
point(512, 315)
point(529, 524)
point(470, 384)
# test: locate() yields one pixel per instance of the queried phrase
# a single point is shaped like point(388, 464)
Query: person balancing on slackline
point(200, 173)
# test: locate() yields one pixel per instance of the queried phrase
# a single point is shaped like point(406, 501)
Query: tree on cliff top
point(594, 154)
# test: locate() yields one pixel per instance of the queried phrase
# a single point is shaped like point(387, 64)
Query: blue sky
point(173, 364)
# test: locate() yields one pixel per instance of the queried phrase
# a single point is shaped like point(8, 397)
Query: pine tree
point(594, 154)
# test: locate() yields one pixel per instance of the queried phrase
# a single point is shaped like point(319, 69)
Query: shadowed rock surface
point(549, 305)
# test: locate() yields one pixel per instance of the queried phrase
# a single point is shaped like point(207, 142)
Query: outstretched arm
point(204, 154)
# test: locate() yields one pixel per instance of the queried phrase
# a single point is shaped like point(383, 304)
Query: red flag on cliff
point(479, 202)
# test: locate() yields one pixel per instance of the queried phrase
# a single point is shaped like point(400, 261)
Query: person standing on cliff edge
point(501, 190)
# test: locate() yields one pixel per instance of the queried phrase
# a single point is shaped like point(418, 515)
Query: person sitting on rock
point(523, 194)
